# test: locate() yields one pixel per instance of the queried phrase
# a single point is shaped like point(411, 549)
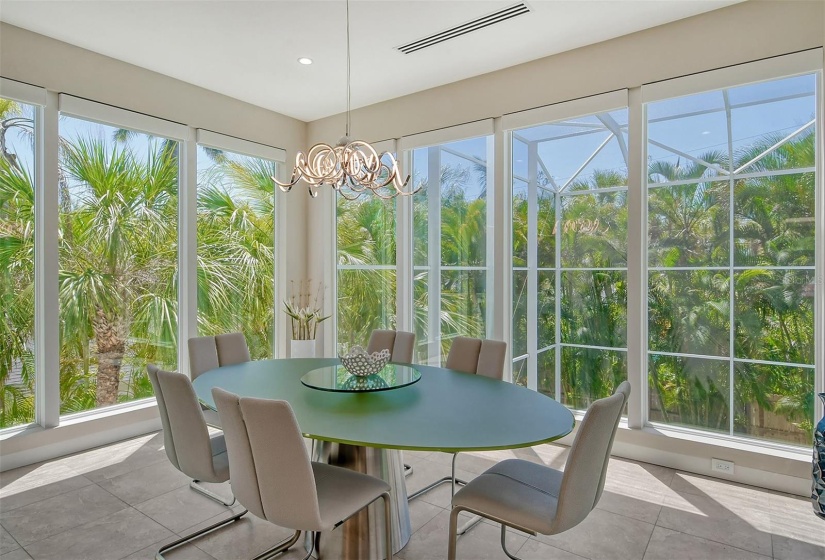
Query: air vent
point(459, 30)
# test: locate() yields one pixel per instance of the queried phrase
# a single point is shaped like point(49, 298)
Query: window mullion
point(187, 247)
point(532, 264)
point(434, 255)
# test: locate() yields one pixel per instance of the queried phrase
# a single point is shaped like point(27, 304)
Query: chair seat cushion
point(523, 493)
point(211, 417)
point(342, 492)
point(220, 459)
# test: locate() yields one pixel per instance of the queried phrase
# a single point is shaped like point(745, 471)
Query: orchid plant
point(306, 315)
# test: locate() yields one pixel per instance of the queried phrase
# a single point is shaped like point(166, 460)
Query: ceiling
point(249, 49)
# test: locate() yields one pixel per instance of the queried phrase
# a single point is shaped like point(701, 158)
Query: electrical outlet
point(720, 465)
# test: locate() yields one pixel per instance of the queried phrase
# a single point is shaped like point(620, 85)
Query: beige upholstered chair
point(400, 344)
point(209, 352)
point(273, 477)
point(537, 499)
point(186, 438)
point(470, 355)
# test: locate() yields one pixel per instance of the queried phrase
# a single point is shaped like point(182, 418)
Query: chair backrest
point(232, 349)
point(203, 355)
point(482, 357)
point(271, 471)
point(584, 474)
point(400, 344)
point(463, 354)
point(491, 359)
point(185, 435)
point(244, 480)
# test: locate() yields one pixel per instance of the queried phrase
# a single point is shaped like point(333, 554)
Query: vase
point(818, 482)
point(302, 349)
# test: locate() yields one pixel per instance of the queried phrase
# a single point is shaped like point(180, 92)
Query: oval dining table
point(444, 411)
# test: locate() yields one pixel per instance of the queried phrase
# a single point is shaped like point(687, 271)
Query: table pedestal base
point(362, 536)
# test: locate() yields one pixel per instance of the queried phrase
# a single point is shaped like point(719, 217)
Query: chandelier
point(352, 167)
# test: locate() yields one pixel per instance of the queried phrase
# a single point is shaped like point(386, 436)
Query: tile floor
point(125, 500)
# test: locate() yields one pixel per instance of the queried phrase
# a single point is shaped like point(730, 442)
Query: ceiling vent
point(459, 30)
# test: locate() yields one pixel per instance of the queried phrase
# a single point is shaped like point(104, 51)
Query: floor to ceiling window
point(731, 190)
point(569, 212)
point(17, 210)
point(235, 237)
point(452, 241)
point(118, 258)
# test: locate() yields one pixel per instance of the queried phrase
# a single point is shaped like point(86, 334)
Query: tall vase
point(818, 482)
point(302, 349)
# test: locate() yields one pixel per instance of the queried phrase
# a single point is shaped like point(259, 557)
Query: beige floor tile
point(49, 517)
point(604, 535)
point(644, 506)
point(421, 513)
point(796, 531)
point(145, 483)
point(107, 462)
point(185, 552)
point(427, 471)
point(666, 544)
point(482, 543)
point(33, 483)
point(703, 516)
point(181, 508)
point(110, 538)
point(246, 538)
point(7, 542)
point(18, 554)
point(537, 550)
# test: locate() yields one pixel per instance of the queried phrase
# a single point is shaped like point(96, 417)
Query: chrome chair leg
point(408, 469)
point(188, 538)
point(209, 494)
point(474, 520)
point(451, 479)
point(504, 544)
point(281, 547)
point(387, 526)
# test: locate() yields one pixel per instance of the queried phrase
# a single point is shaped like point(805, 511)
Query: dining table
point(412, 407)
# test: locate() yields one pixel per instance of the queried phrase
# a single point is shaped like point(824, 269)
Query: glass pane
point(118, 262)
point(463, 304)
point(546, 308)
point(463, 211)
point(547, 372)
point(520, 372)
point(775, 315)
point(594, 230)
point(688, 312)
point(519, 223)
point(519, 346)
point(774, 402)
point(588, 374)
point(366, 301)
point(17, 172)
point(775, 220)
point(594, 308)
point(689, 225)
point(689, 391)
point(366, 231)
point(421, 301)
point(236, 261)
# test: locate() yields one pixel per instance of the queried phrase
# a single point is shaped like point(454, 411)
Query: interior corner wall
point(57, 66)
point(740, 33)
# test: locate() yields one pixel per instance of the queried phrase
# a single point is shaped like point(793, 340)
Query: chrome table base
point(362, 536)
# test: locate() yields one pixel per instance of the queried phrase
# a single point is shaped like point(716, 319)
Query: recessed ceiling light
point(304, 60)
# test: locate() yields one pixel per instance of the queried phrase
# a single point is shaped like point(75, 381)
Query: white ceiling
point(249, 49)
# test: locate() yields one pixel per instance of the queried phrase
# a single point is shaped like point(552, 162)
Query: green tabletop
point(337, 378)
point(445, 411)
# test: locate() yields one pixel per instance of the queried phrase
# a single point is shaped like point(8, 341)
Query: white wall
point(741, 33)
point(60, 67)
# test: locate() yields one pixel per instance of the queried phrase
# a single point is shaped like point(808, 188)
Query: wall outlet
point(720, 465)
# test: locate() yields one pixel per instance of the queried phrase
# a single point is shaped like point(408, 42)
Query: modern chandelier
point(352, 167)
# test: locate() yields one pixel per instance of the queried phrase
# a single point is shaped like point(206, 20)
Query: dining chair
point(480, 357)
point(534, 498)
point(275, 480)
point(209, 352)
point(400, 344)
point(189, 446)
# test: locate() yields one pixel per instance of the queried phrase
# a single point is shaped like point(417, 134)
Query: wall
point(740, 33)
point(57, 66)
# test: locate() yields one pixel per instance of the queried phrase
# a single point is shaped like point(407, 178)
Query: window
point(118, 292)
point(569, 189)
point(451, 243)
point(731, 188)
point(366, 268)
point(17, 192)
point(236, 257)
